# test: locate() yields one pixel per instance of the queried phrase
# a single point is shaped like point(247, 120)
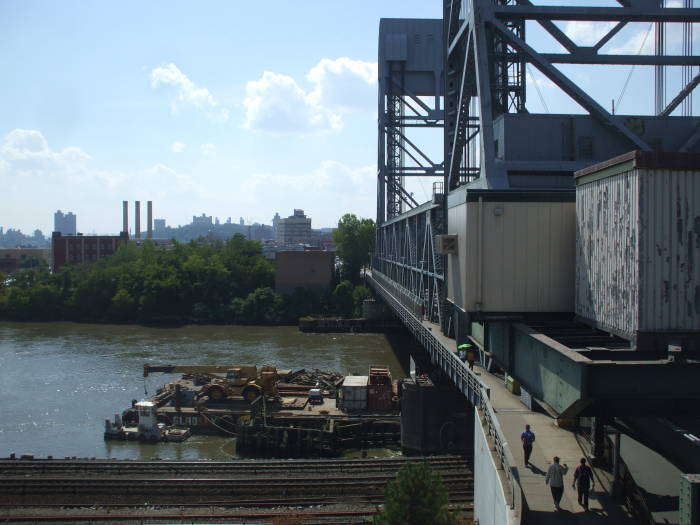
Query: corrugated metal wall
point(669, 294)
point(607, 220)
point(528, 257)
point(638, 251)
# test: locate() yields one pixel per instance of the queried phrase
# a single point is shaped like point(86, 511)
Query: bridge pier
point(435, 419)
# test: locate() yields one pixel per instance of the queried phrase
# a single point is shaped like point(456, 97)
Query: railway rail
point(310, 517)
point(456, 497)
point(250, 466)
point(95, 490)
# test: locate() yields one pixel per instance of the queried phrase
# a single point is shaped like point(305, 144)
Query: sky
point(221, 107)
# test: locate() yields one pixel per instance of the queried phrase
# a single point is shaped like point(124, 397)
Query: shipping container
point(379, 390)
point(515, 250)
point(353, 393)
point(638, 243)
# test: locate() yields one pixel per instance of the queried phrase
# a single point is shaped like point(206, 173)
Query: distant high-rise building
point(159, 224)
point(204, 220)
point(295, 229)
point(275, 221)
point(241, 222)
point(64, 223)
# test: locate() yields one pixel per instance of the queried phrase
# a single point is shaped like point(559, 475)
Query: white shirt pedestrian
point(555, 479)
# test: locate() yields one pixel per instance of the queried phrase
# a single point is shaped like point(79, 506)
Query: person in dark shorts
point(528, 438)
point(584, 476)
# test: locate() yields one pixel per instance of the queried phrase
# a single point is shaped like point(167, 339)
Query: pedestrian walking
point(462, 351)
point(471, 357)
point(584, 476)
point(528, 438)
point(555, 479)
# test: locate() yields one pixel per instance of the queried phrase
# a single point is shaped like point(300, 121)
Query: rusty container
point(379, 389)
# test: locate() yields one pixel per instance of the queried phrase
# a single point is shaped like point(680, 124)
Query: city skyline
point(198, 108)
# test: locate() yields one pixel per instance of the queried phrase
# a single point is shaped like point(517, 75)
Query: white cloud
point(587, 33)
point(30, 168)
point(277, 104)
point(177, 147)
point(344, 83)
point(350, 189)
point(542, 81)
point(207, 149)
point(187, 91)
point(641, 41)
point(25, 152)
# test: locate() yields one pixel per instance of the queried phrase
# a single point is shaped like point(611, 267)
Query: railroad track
point(194, 486)
point(315, 517)
point(102, 467)
point(456, 497)
point(50, 490)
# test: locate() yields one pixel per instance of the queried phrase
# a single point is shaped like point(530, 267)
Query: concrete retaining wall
point(490, 504)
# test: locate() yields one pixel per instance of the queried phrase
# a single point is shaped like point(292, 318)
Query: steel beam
point(596, 14)
point(569, 87)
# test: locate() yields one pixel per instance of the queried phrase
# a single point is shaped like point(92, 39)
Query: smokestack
point(149, 218)
point(137, 219)
point(125, 216)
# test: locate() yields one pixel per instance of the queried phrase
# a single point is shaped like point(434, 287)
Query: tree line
point(204, 281)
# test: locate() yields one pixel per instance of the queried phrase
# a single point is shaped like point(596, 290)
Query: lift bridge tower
point(468, 75)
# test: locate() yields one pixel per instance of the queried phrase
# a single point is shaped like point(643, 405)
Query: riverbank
point(325, 325)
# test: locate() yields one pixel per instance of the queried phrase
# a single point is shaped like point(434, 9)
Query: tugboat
point(147, 428)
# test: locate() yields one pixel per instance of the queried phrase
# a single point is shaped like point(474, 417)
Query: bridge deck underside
point(557, 364)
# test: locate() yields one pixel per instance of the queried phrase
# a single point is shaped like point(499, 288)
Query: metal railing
point(400, 300)
point(503, 454)
point(465, 380)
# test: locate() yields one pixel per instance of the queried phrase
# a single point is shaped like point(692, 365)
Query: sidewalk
point(550, 441)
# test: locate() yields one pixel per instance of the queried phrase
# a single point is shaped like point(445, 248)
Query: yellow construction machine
point(247, 382)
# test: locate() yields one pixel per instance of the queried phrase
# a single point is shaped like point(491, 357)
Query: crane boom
point(247, 371)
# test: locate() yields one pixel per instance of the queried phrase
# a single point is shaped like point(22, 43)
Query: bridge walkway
point(551, 441)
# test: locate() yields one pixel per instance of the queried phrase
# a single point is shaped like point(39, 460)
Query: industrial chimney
point(125, 217)
point(149, 218)
point(137, 219)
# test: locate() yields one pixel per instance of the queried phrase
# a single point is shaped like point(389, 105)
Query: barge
point(302, 414)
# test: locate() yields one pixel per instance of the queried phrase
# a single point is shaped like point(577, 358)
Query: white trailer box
point(353, 394)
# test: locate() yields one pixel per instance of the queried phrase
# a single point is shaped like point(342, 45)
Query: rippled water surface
point(59, 381)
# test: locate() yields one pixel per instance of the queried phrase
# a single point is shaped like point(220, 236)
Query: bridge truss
point(466, 74)
point(487, 53)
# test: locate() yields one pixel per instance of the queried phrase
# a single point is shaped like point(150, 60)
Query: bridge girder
point(487, 53)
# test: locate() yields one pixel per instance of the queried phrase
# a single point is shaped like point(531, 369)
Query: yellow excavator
point(244, 381)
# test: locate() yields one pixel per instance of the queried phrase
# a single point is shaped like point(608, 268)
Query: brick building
point(313, 270)
point(78, 249)
point(13, 259)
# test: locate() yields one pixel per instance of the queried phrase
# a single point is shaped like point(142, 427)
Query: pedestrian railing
point(504, 456)
point(400, 301)
point(464, 379)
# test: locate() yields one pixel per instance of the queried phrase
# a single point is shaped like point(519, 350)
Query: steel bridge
point(467, 75)
point(436, 262)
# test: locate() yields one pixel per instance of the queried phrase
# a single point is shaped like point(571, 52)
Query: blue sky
point(227, 108)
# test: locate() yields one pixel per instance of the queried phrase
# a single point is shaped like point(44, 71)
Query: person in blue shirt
point(528, 438)
point(584, 476)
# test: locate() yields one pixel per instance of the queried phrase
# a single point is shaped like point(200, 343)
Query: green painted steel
point(689, 500)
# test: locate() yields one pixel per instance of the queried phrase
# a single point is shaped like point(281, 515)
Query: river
point(60, 381)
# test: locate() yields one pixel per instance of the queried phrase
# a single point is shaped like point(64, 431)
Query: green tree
point(123, 306)
point(359, 294)
point(263, 306)
point(416, 497)
point(342, 299)
point(355, 240)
